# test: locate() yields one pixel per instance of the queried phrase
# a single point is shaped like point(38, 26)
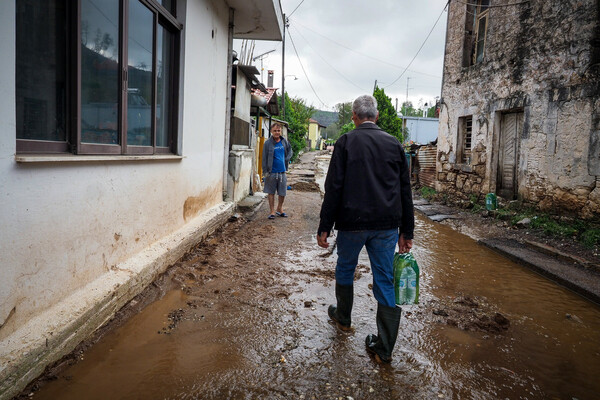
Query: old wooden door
point(511, 127)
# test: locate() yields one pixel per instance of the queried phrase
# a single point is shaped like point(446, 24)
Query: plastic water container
point(491, 201)
point(406, 279)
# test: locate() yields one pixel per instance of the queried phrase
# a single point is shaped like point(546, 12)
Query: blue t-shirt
point(278, 158)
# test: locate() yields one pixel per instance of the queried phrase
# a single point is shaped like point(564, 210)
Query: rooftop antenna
point(261, 56)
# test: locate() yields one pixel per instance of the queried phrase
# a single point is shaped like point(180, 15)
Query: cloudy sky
point(341, 47)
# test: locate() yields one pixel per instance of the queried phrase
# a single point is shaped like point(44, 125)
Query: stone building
point(520, 113)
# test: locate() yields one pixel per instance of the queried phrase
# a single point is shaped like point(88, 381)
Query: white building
point(114, 149)
point(421, 130)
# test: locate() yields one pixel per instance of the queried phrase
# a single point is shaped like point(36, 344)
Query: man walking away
point(368, 198)
point(276, 156)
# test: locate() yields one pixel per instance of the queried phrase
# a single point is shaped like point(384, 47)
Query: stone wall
point(542, 60)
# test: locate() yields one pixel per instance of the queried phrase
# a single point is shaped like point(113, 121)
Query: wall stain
point(10, 314)
point(196, 204)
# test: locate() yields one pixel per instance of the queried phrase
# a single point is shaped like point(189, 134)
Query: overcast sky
point(346, 45)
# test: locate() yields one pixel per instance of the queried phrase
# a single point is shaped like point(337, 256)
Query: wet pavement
point(244, 316)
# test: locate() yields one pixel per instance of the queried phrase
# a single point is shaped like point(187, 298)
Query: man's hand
point(322, 240)
point(404, 245)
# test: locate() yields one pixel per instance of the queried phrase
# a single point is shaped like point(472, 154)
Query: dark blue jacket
point(368, 184)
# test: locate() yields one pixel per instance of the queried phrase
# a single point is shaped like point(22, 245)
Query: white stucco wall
point(65, 224)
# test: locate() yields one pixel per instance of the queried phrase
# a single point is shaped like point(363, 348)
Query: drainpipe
point(228, 105)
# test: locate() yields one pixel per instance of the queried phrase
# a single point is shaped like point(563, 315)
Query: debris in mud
point(574, 318)
point(175, 317)
point(470, 314)
point(467, 301)
point(304, 186)
point(308, 304)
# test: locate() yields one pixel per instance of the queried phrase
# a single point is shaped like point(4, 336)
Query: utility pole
point(375, 86)
point(285, 24)
point(406, 102)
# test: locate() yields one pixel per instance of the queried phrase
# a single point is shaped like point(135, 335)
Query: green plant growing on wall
point(427, 192)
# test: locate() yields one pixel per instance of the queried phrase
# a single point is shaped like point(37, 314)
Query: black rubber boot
point(388, 323)
point(341, 314)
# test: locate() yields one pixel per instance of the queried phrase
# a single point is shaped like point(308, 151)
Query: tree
point(346, 128)
point(297, 115)
point(388, 118)
point(344, 111)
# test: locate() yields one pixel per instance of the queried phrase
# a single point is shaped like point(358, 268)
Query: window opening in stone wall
point(96, 76)
point(465, 129)
point(476, 23)
point(481, 18)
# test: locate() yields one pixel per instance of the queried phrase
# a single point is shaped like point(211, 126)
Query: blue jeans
point(380, 247)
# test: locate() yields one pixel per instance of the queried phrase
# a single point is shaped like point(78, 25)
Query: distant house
point(520, 107)
point(114, 156)
point(421, 130)
point(315, 131)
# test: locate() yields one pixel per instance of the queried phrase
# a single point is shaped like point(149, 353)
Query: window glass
point(163, 89)
point(480, 45)
point(139, 84)
point(484, 5)
point(41, 70)
point(168, 4)
point(99, 71)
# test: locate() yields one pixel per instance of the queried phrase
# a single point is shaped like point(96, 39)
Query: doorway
point(511, 127)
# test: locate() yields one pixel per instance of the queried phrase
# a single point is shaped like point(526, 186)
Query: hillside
point(325, 118)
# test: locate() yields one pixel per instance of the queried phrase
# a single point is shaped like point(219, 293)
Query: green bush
point(427, 192)
point(591, 237)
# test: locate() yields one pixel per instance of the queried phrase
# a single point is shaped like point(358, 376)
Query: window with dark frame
point(104, 83)
point(476, 25)
point(481, 18)
point(465, 134)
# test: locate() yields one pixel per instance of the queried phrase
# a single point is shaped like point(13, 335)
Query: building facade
point(114, 152)
point(520, 109)
point(315, 134)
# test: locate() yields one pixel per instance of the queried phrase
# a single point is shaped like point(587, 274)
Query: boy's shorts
point(276, 182)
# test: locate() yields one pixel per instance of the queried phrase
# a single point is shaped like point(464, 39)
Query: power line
point(493, 6)
point(296, 8)
point(325, 61)
point(420, 48)
point(362, 54)
point(303, 70)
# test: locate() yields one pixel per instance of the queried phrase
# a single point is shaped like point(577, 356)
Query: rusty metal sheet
point(426, 156)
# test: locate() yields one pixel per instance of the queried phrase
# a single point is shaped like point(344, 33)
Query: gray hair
point(365, 107)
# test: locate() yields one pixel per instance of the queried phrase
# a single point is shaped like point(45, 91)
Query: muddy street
point(244, 316)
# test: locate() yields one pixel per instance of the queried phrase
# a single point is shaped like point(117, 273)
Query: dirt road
point(244, 316)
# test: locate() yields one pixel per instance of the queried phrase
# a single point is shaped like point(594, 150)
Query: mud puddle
point(248, 320)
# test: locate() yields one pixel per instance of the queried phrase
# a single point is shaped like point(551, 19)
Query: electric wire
point(420, 48)
point(326, 62)
point(303, 70)
point(363, 54)
point(295, 8)
point(493, 6)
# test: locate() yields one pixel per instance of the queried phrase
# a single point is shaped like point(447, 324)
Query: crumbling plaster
point(538, 61)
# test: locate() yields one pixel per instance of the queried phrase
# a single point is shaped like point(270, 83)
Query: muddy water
point(244, 326)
